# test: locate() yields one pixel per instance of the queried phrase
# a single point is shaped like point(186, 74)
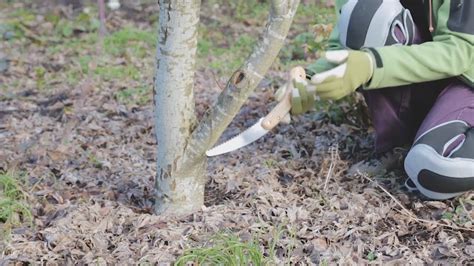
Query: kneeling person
point(414, 63)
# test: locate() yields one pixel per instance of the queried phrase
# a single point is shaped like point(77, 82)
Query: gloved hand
point(355, 68)
point(302, 96)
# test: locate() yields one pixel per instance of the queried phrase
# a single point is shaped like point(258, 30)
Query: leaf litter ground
point(76, 120)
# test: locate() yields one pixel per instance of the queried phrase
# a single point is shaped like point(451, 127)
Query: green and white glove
point(302, 97)
point(355, 68)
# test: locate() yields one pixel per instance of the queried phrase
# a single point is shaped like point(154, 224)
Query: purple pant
point(400, 114)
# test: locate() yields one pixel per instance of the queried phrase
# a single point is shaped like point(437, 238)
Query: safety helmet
point(375, 23)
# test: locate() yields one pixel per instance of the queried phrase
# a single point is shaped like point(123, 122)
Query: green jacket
point(450, 54)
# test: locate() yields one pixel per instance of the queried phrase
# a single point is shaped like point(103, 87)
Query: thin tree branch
point(243, 82)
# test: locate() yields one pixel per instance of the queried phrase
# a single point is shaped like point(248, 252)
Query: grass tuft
point(13, 208)
point(224, 249)
point(136, 40)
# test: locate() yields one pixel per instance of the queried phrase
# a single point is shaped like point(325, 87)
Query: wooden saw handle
point(279, 112)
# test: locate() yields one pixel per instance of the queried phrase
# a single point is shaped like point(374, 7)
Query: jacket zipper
point(431, 28)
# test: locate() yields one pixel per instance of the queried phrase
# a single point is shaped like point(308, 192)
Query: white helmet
point(375, 23)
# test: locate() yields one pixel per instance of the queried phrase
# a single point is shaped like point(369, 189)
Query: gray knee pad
point(441, 162)
point(375, 23)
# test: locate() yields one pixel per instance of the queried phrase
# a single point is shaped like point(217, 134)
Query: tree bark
point(181, 150)
point(180, 190)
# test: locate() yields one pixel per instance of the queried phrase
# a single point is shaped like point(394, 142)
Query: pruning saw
point(264, 124)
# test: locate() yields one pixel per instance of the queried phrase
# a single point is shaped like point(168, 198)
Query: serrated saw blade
point(248, 136)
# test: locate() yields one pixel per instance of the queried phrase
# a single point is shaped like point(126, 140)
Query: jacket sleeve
point(450, 54)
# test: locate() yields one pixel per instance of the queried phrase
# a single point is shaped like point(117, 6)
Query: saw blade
point(248, 136)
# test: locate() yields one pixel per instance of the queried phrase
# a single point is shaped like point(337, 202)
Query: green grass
point(109, 73)
point(84, 22)
point(80, 44)
point(223, 50)
point(13, 207)
point(242, 10)
point(371, 256)
point(459, 213)
point(135, 96)
point(17, 20)
point(131, 39)
point(94, 160)
point(317, 12)
point(129, 43)
point(249, 10)
point(225, 249)
point(228, 249)
point(222, 45)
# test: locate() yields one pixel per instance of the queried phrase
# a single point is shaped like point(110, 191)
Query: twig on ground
point(334, 158)
point(410, 214)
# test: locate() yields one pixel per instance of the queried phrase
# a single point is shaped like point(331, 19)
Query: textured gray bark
point(181, 153)
point(180, 190)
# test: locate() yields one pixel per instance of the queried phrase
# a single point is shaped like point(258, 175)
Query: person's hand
point(302, 96)
point(355, 68)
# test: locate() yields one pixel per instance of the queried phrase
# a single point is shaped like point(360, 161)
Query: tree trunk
point(102, 25)
point(181, 143)
point(180, 190)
